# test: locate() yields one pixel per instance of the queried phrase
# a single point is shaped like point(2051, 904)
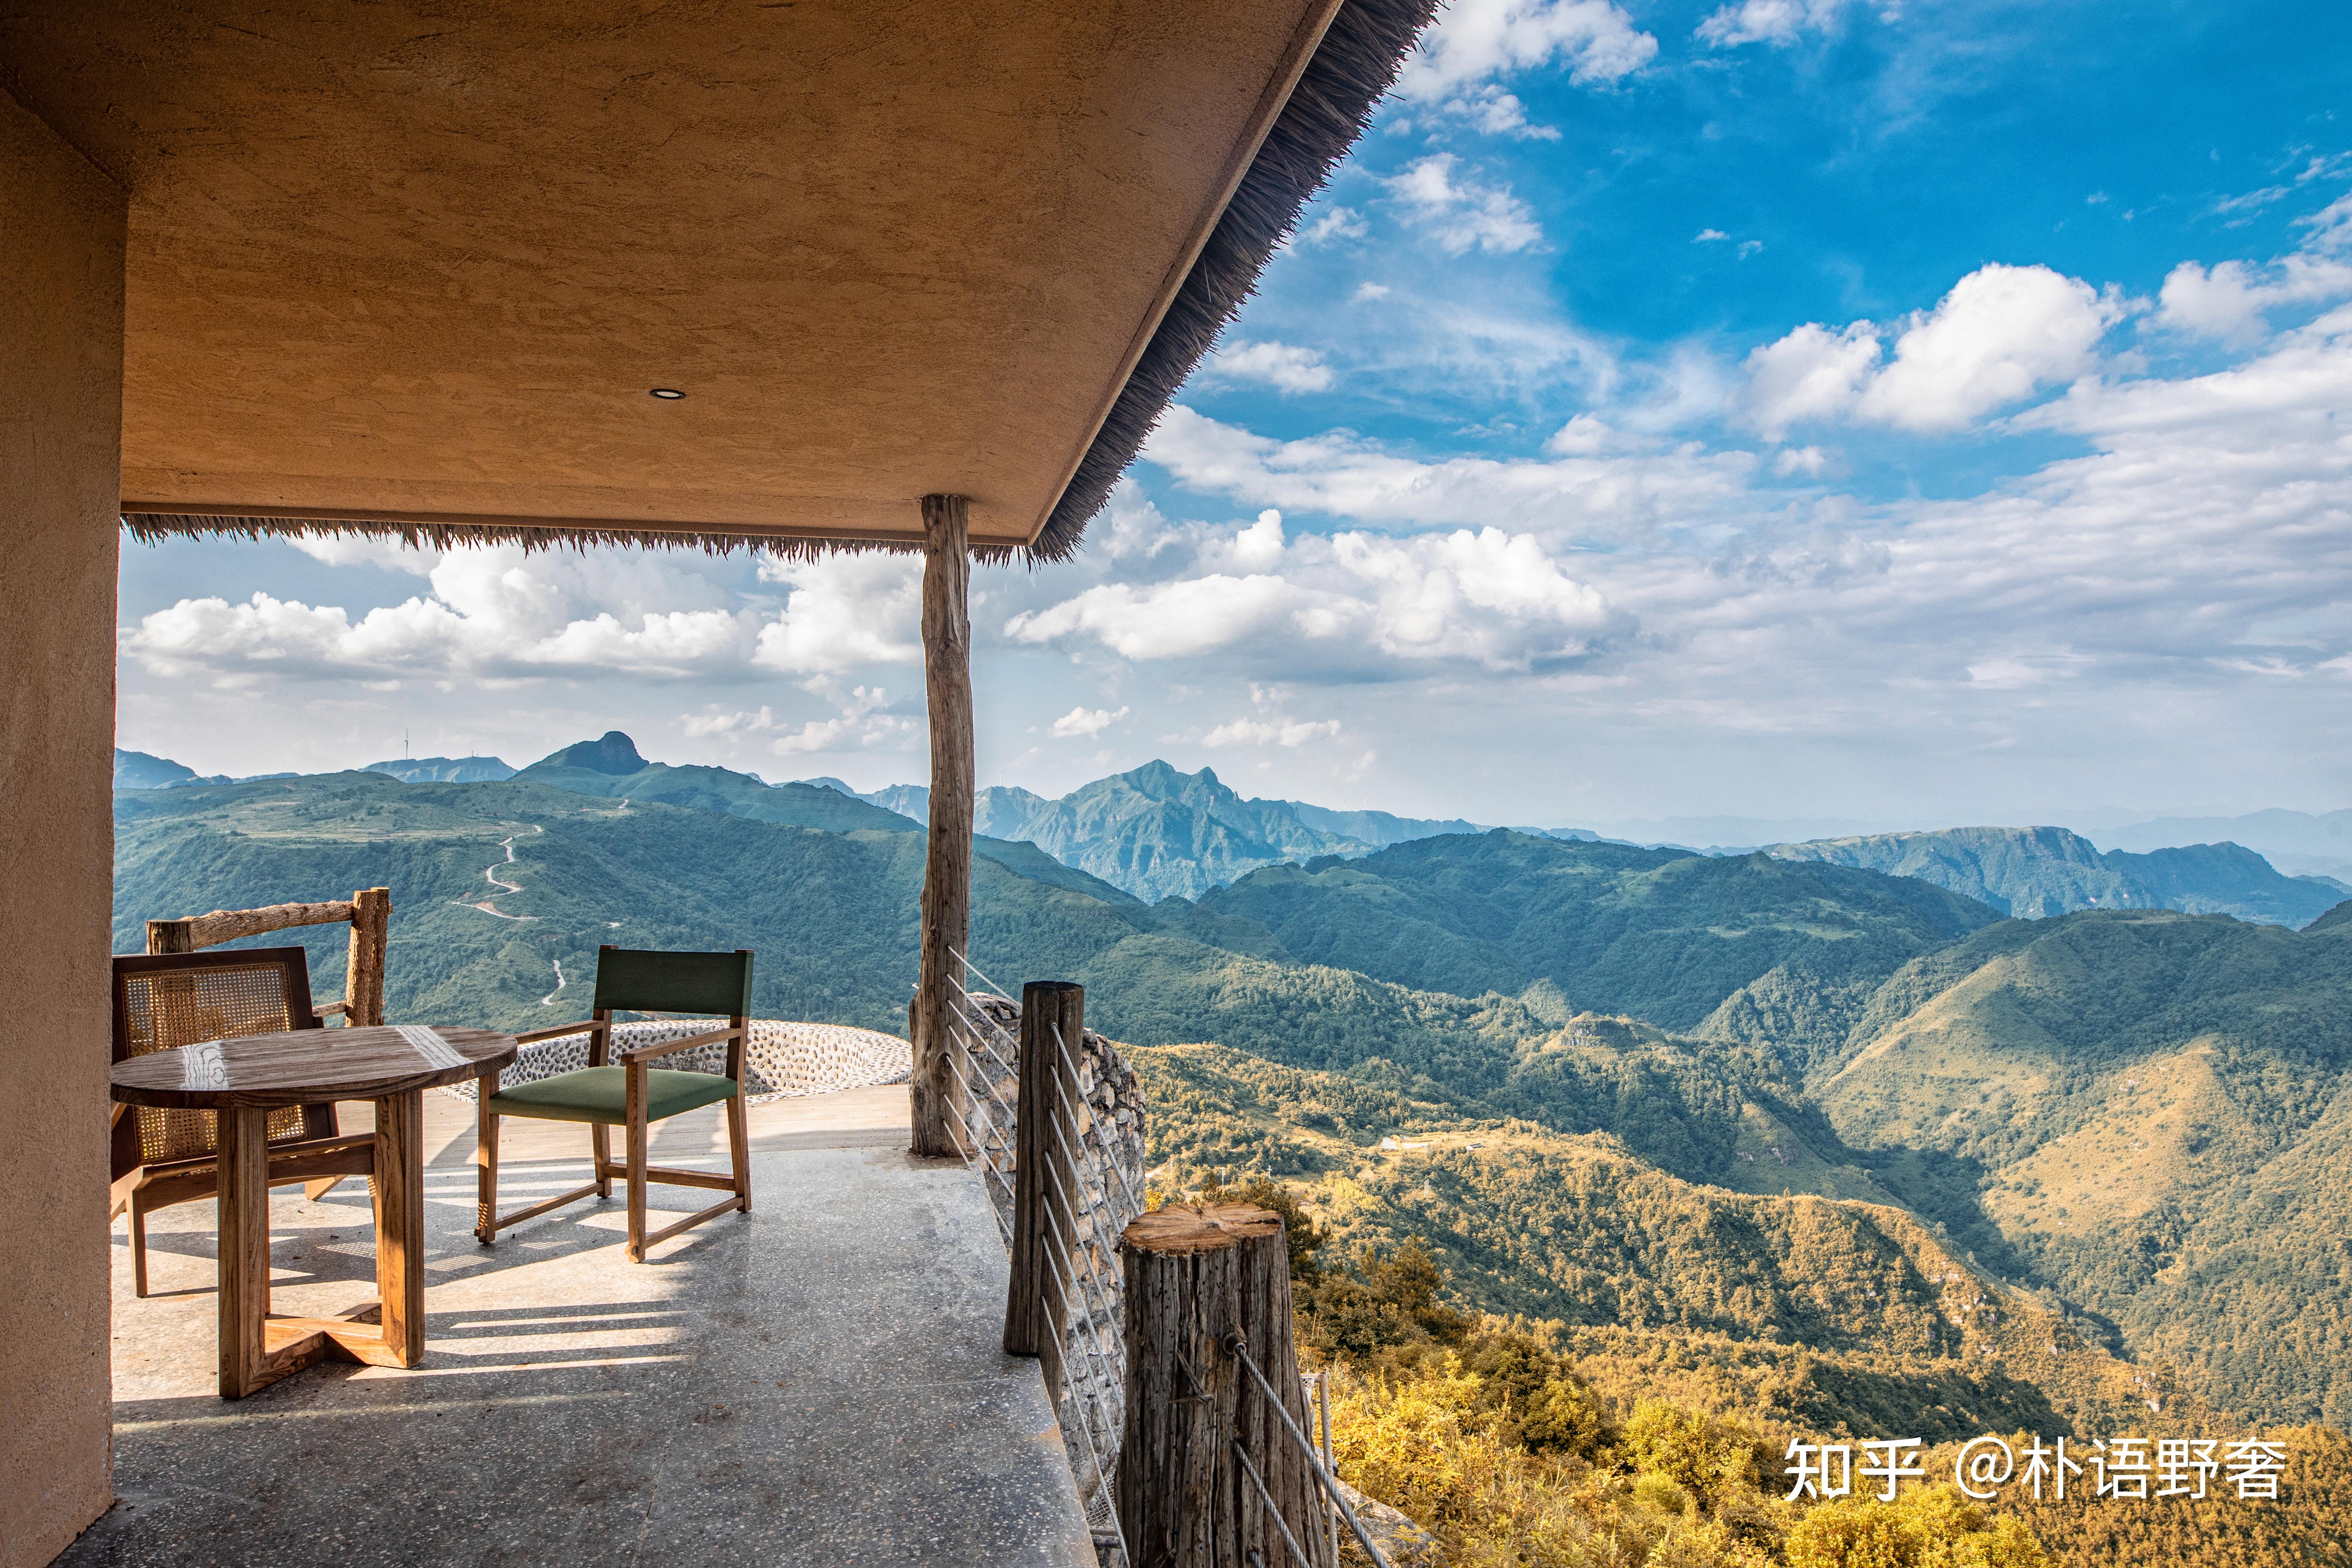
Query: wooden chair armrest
point(588, 1026)
point(332, 1009)
point(664, 1048)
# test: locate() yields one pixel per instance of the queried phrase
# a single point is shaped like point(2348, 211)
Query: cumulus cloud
point(1477, 39)
point(1339, 222)
point(844, 611)
point(1283, 367)
point(1813, 374)
point(1778, 23)
point(2001, 334)
point(353, 550)
point(1342, 475)
point(1086, 721)
point(1271, 733)
point(2228, 301)
point(1485, 599)
point(492, 613)
point(1491, 111)
point(1461, 212)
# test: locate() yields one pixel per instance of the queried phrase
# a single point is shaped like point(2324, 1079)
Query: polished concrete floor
point(817, 1382)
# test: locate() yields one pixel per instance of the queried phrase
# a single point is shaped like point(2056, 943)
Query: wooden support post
point(1196, 1274)
point(363, 975)
point(947, 866)
point(1035, 1310)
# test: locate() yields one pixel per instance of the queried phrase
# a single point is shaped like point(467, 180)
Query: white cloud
point(1491, 111)
point(865, 724)
point(1705, 235)
point(1341, 475)
point(1339, 222)
point(493, 613)
point(2331, 226)
point(1488, 599)
point(2228, 301)
point(846, 610)
point(1271, 733)
point(1807, 461)
point(1086, 722)
point(1283, 367)
point(1813, 374)
point(1477, 40)
point(1584, 436)
point(1778, 23)
point(2001, 334)
point(1371, 291)
point(1461, 212)
point(353, 550)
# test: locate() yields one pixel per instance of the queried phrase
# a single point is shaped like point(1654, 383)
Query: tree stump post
point(1044, 1181)
point(1196, 1276)
point(947, 864)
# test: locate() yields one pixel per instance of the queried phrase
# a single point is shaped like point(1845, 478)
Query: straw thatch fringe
point(154, 527)
point(1331, 108)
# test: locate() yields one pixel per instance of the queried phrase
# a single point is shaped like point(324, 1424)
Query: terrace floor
point(819, 1382)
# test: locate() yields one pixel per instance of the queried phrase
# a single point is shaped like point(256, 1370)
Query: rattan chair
point(166, 1001)
point(634, 1094)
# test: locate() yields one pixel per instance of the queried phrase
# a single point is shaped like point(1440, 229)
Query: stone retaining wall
point(781, 1059)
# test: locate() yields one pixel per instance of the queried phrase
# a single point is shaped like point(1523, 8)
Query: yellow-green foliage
point(1439, 1440)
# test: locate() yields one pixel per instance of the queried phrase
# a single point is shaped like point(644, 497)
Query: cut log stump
point(1196, 1276)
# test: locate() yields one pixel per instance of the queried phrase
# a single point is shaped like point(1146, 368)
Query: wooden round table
point(247, 1077)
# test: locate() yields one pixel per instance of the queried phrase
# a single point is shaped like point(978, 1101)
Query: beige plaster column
point(61, 247)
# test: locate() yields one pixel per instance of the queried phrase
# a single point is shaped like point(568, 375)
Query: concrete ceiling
point(425, 261)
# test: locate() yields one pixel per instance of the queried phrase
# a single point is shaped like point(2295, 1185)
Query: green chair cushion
point(600, 1094)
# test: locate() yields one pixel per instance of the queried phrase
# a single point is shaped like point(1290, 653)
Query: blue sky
point(1907, 415)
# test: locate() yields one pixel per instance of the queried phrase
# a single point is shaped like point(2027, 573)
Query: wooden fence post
point(363, 975)
point(1035, 1304)
point(1196, 1276)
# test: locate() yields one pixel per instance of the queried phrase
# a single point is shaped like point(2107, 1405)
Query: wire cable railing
point(1084, 1195)
point(1239, 1348)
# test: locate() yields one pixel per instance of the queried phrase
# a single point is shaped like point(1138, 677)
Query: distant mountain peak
point(614, 752)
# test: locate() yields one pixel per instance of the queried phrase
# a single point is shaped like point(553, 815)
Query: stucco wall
point(61, 251)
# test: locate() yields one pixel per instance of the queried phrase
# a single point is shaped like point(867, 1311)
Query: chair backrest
point(166, 1001)
point(633, 980)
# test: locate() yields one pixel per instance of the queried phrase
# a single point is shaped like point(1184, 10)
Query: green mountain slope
point(1657, 933)
point(2033, 872)
point(2150, 1110)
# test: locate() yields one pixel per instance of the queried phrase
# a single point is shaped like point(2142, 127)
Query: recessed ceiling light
point(668, 393)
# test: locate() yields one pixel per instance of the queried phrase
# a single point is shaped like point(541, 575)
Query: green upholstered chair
point(633, 1093)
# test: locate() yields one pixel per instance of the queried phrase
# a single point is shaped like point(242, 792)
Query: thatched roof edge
point(152, 527)
point(1353, 69)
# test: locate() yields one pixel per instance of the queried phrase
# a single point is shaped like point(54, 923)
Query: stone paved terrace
point(820, 1382)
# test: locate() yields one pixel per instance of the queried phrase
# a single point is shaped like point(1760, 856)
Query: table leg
point(400, 1225)
point(244, 1154)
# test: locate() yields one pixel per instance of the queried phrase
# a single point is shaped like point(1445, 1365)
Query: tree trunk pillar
point(1195, 1276)
point(947, 866)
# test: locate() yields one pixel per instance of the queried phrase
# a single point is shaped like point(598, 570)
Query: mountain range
point(1644, 1092)
point(2032, 872)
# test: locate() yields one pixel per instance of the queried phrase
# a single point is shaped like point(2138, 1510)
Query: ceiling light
point(668, 393)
